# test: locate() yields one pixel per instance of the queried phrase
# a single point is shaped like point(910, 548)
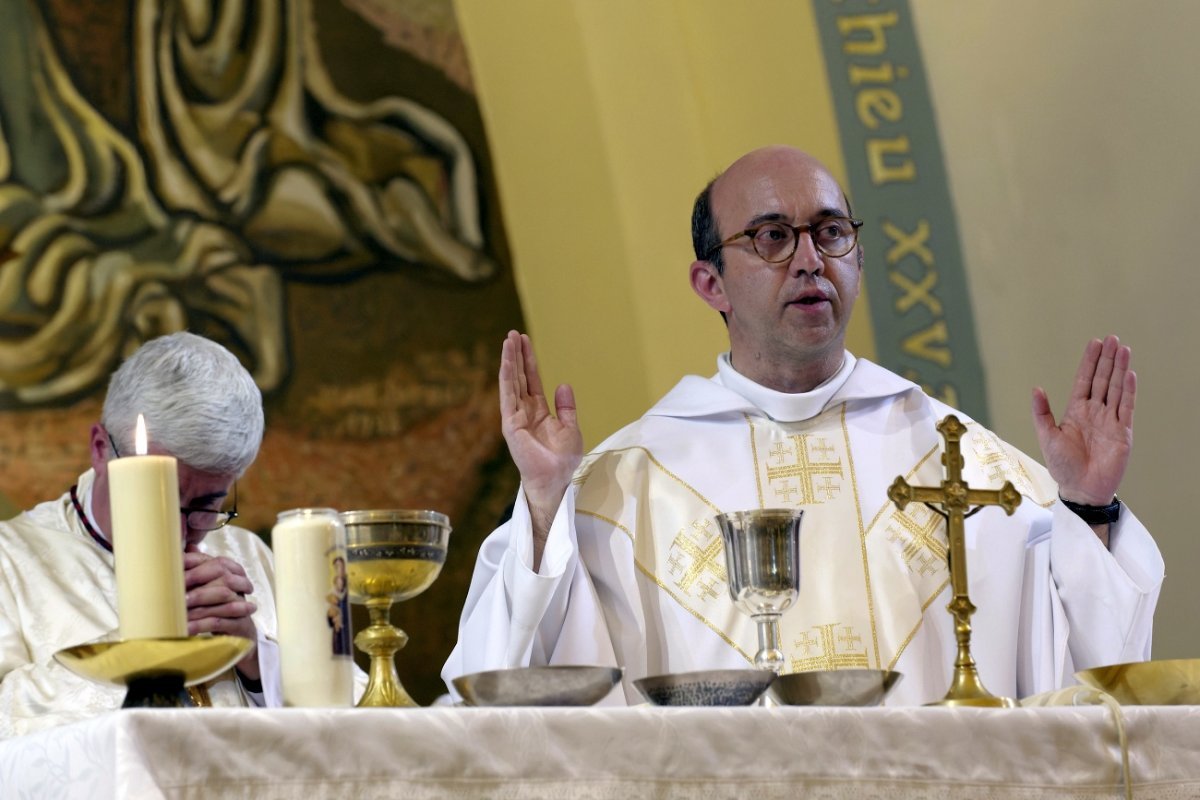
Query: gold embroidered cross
point(849, 638)
point(827, 487)
point(921, 539)
point(823, 449)
point(805, 469)
point(806, 641)
point(706, 558)
point(958, 501)
point(830, 658)
point(989, 453)
point(927, 564)
point(708, 588)
point(785, 492)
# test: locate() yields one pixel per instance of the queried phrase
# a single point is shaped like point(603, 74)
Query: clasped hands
point(216, 589)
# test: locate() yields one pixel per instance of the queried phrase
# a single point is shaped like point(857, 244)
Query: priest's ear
point(709, 285)
point(99, 447)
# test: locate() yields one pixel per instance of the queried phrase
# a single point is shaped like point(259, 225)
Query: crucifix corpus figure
point(959, 501)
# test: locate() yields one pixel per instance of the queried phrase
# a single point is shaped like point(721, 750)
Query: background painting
point(306, 182)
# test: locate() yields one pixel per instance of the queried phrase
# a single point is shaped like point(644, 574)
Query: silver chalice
point(762, 558)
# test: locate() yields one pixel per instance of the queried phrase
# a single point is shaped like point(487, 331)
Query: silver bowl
point(722, 687)
point(1174, 682)
point(834, 687)
point(538, 686)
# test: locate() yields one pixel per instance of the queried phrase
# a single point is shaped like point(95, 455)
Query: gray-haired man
point(57, 580)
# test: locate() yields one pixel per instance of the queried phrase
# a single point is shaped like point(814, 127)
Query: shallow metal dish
point(722, 687)
point(834, 687)
point(1148, 683)
point(538, 686)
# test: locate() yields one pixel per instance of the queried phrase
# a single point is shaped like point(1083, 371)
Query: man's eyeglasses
point(199, 519)
point(775, 242)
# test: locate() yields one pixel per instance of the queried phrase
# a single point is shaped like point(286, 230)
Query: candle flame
point(139, 438)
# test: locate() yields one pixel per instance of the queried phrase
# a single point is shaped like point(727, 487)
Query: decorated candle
point(311, 604)
point(147, 543)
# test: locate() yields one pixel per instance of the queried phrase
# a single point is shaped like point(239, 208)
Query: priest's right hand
point(545, 447)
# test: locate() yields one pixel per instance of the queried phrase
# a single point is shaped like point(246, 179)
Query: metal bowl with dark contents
point(722, 687)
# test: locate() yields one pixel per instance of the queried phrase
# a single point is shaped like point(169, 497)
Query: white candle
point(311, 606)
point(143, 495)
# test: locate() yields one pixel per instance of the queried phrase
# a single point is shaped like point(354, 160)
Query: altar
point(641, 752)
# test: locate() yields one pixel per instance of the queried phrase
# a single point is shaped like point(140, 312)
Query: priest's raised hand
point(545, 446)
point(1087, 452)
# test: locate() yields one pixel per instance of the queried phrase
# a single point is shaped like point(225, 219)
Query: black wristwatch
point(1096, 515)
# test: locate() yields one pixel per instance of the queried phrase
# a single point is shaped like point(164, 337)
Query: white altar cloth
point(641, 752)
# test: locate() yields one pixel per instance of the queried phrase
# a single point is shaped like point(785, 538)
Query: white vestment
point(633, 571)
point(58, 589)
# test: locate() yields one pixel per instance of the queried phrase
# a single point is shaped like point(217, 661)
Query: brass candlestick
point(391, 556)
point(157, 673)
point(959, 501)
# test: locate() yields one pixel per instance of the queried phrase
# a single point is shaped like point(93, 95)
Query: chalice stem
point(379, 609)
point(769, 655)
point(381, 640)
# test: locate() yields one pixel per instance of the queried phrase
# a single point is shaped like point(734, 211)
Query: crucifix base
point(967, 690)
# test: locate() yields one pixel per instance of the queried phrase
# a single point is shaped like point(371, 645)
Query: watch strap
point(1096, 515)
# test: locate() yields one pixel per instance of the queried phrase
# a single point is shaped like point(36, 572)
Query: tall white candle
point(147, 543)
point(311, 606)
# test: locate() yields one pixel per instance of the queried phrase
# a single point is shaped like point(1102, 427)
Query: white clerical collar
point(782, 406)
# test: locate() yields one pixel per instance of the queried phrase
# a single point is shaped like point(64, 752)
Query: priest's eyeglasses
point(200, 519)
point(775, 242)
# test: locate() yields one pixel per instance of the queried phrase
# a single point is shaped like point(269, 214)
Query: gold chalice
point(391, 555)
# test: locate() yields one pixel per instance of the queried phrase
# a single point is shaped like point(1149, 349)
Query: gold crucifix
point(959, 501)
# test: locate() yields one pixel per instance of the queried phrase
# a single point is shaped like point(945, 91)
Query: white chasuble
point(851, 552)
point(633, 568)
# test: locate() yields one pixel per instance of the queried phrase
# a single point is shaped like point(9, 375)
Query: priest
point(57, 580)
point(615, 558)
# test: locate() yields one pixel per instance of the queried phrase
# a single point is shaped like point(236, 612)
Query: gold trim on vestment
point(862, 537)
point(754, 460)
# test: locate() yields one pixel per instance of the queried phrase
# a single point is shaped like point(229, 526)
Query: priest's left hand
point(216, 601)
point(1088, 451)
